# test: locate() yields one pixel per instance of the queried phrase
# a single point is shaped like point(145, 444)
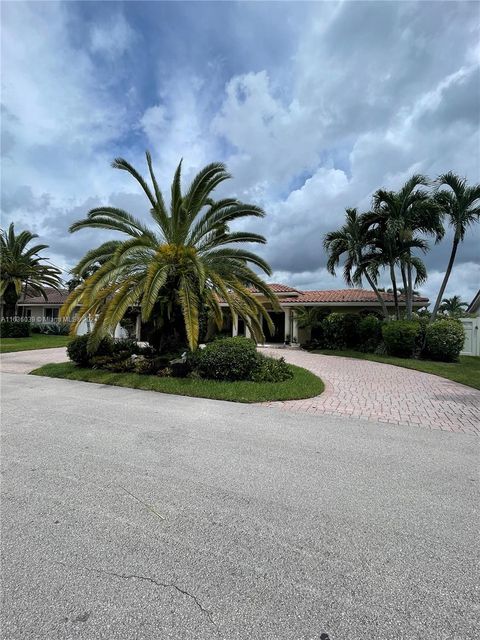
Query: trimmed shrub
point(369, 333)
point(333, 332)
point(271, 370)
point(444, 340)
point(400, 337)
point(14, 329)
point(78, 352)
point(351, 322)
point(226, 359)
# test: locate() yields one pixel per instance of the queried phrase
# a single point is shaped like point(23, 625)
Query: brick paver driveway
point(384, 393)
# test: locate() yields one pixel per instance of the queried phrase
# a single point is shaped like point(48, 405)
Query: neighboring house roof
point(336, 296)
point(475, 304)
point(54, 298)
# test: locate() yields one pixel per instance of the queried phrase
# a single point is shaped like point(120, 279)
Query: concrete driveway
point(26, 361)
point(134, 515)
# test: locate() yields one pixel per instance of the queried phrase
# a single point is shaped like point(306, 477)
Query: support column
point(234, 324)
point(138, 327)
point(294, 329)
point(287, 312)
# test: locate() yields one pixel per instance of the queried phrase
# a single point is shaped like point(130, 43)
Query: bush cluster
point(400, 337)
point(51, 328)
point(14, 329)
point(271, 370)
point(224, 359)
point(369, 333)
point(227, 359)
point(444, 340)
point(347, 331)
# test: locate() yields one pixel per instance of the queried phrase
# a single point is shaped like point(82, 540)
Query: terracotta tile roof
point(343, 295)
point(278, 288)
point(53, 297)
point(333, 296)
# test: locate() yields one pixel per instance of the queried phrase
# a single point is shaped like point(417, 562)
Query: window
point(51, 314)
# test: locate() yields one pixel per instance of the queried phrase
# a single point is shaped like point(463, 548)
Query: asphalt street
point(134, 515)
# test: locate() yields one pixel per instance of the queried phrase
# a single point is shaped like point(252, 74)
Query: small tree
point(453, 307)
point(461, 206)
point(22, 269)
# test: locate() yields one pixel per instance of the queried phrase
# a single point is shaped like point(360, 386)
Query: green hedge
point(271, 370)
point(226, 359)
point(14, 329)
point(369, 333)
point(444, 340)
point(400, 337)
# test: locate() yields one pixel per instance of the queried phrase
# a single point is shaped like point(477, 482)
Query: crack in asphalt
point(166, 585)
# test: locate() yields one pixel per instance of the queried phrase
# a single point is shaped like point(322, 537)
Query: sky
point(313, 106)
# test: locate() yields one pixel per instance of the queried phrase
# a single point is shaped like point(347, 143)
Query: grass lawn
point(304, 384)
point(36, 341)
point(466, 371)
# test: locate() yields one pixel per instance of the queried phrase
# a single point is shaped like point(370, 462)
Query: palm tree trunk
point(405, 288)
point(395, 292)
point(445, 280)
point(409, 291)
point(378, 294)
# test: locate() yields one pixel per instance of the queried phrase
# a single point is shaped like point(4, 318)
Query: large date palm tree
point(187, 260)
point(461, 206)
point(22, 269)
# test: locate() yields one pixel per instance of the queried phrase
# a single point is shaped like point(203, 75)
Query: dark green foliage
point(351, 322)
point(112, 363)
point(52, 328)
point(444, 340)
point(271, 370)
point(400, 337)
point(78, 352)
point(333, 332)
point(369, 333)
point(227, 359)
point(14, 329)
point(129, 347)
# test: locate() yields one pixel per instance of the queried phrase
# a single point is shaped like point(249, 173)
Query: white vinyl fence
point(471, 346)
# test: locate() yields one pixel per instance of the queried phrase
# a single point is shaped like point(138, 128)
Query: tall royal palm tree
point(22, 269)
point(461, 207)
point(352, 241)
point(453, 306)
point(188, 259)
point(401, 218)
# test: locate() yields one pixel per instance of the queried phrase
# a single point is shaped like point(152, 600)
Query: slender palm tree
point(188, 259)
point(352, 241)
point(453, 306)
point(22, 269)
point(461, 206)
point(401, 216)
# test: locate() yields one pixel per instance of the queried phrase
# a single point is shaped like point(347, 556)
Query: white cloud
point(371, 95)
point(112, 38)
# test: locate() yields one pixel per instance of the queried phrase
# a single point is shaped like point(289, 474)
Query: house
point(340, 300)
point(37, 309)
point(471, 326)
point(474, 306)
